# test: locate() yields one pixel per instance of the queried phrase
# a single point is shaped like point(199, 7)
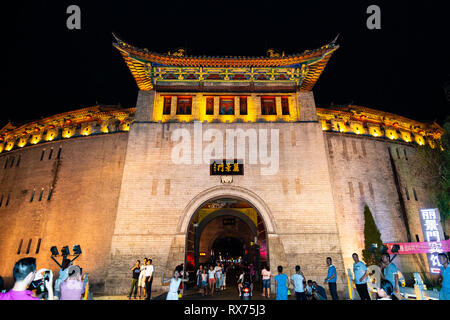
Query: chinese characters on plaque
point(432, 232)
point(226, 167)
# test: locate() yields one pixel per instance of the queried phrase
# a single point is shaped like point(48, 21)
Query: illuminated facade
point(104, 177)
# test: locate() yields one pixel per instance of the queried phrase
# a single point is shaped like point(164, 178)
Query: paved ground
point(227, 294)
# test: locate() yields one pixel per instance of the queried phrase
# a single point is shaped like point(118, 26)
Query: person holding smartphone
point(24, 272)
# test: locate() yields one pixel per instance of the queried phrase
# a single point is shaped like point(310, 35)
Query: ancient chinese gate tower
point(111, 171)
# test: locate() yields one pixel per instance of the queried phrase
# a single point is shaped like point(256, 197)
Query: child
point(204, 282)
point(224, 277)
point(211, 279)
point(174, 285)
point(308, 290)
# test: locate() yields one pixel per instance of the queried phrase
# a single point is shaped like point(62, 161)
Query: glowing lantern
point(126, 126)
point(86, 131)
point(67, 133)
point(22, 142)
point(420, 141)
point(9, 146)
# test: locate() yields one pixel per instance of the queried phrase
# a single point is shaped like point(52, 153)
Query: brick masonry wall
point(82, 209)
point(299, 197)
point(362, 174)
point(122, 198)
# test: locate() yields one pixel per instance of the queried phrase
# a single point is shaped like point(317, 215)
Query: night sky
point(401, 68)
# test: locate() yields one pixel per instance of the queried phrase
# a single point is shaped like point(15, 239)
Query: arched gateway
point(226, 223)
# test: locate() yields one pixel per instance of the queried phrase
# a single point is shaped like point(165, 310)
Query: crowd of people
point(32, 284)
point(210, 278)
point(71, 283)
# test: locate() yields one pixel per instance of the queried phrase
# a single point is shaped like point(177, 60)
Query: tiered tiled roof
point(306, 66)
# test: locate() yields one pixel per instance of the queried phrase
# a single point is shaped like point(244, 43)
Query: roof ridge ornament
point(272, 53)
point(335, 39)
point(177, 53)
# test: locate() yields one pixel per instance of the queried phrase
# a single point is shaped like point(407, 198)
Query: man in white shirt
point(297, 281)
point(149, 278)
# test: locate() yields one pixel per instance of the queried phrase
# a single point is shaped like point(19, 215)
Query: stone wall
point(157, 195)
point(121, 196)
point(85, 183)
point(362, 174)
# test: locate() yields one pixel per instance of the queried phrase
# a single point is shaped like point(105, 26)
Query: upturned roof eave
point(194, 61)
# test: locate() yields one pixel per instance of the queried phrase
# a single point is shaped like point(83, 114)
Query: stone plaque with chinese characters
point(226, 167)
point(432, 232)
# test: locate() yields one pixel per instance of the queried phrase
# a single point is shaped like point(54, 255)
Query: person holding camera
point(24, 273)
